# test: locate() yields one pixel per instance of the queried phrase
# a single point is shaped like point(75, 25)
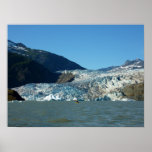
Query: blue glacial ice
point(87, 86)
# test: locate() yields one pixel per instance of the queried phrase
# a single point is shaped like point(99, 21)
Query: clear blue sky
point(91, 46)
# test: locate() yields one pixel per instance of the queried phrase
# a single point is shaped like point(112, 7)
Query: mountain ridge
point(51, 61)
point(128, 65)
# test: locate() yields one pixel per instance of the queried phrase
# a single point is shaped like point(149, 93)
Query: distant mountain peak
point(128, 65)
point(21, 45)
point(138, 59)
point(136, 62)
point(13, 44)
point(126, 62)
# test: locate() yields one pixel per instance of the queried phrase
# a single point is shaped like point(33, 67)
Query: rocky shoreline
point(134, 91)
point(13, 95)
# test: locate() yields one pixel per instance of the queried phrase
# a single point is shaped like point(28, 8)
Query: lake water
point(71, 114)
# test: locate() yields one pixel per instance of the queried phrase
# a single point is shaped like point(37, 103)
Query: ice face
point(42, 92)
point(88, 85)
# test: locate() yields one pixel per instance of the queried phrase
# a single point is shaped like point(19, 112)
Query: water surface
point(71, 114)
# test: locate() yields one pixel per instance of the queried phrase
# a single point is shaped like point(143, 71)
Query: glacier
point(88, 85)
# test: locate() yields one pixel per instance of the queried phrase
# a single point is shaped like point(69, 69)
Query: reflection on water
point(70, 114)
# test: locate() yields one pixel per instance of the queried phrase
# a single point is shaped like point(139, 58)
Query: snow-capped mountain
point(50, 61)
point(128, 65)
point(18, 48)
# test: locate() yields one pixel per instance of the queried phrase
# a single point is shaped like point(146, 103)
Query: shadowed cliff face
point(13, 95)
point(134, 91)
point(22, 70)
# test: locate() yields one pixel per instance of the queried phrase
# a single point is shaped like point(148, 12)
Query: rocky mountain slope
point(65, 77)
point(134, 91)
point(22, 70)
point(50, 61)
